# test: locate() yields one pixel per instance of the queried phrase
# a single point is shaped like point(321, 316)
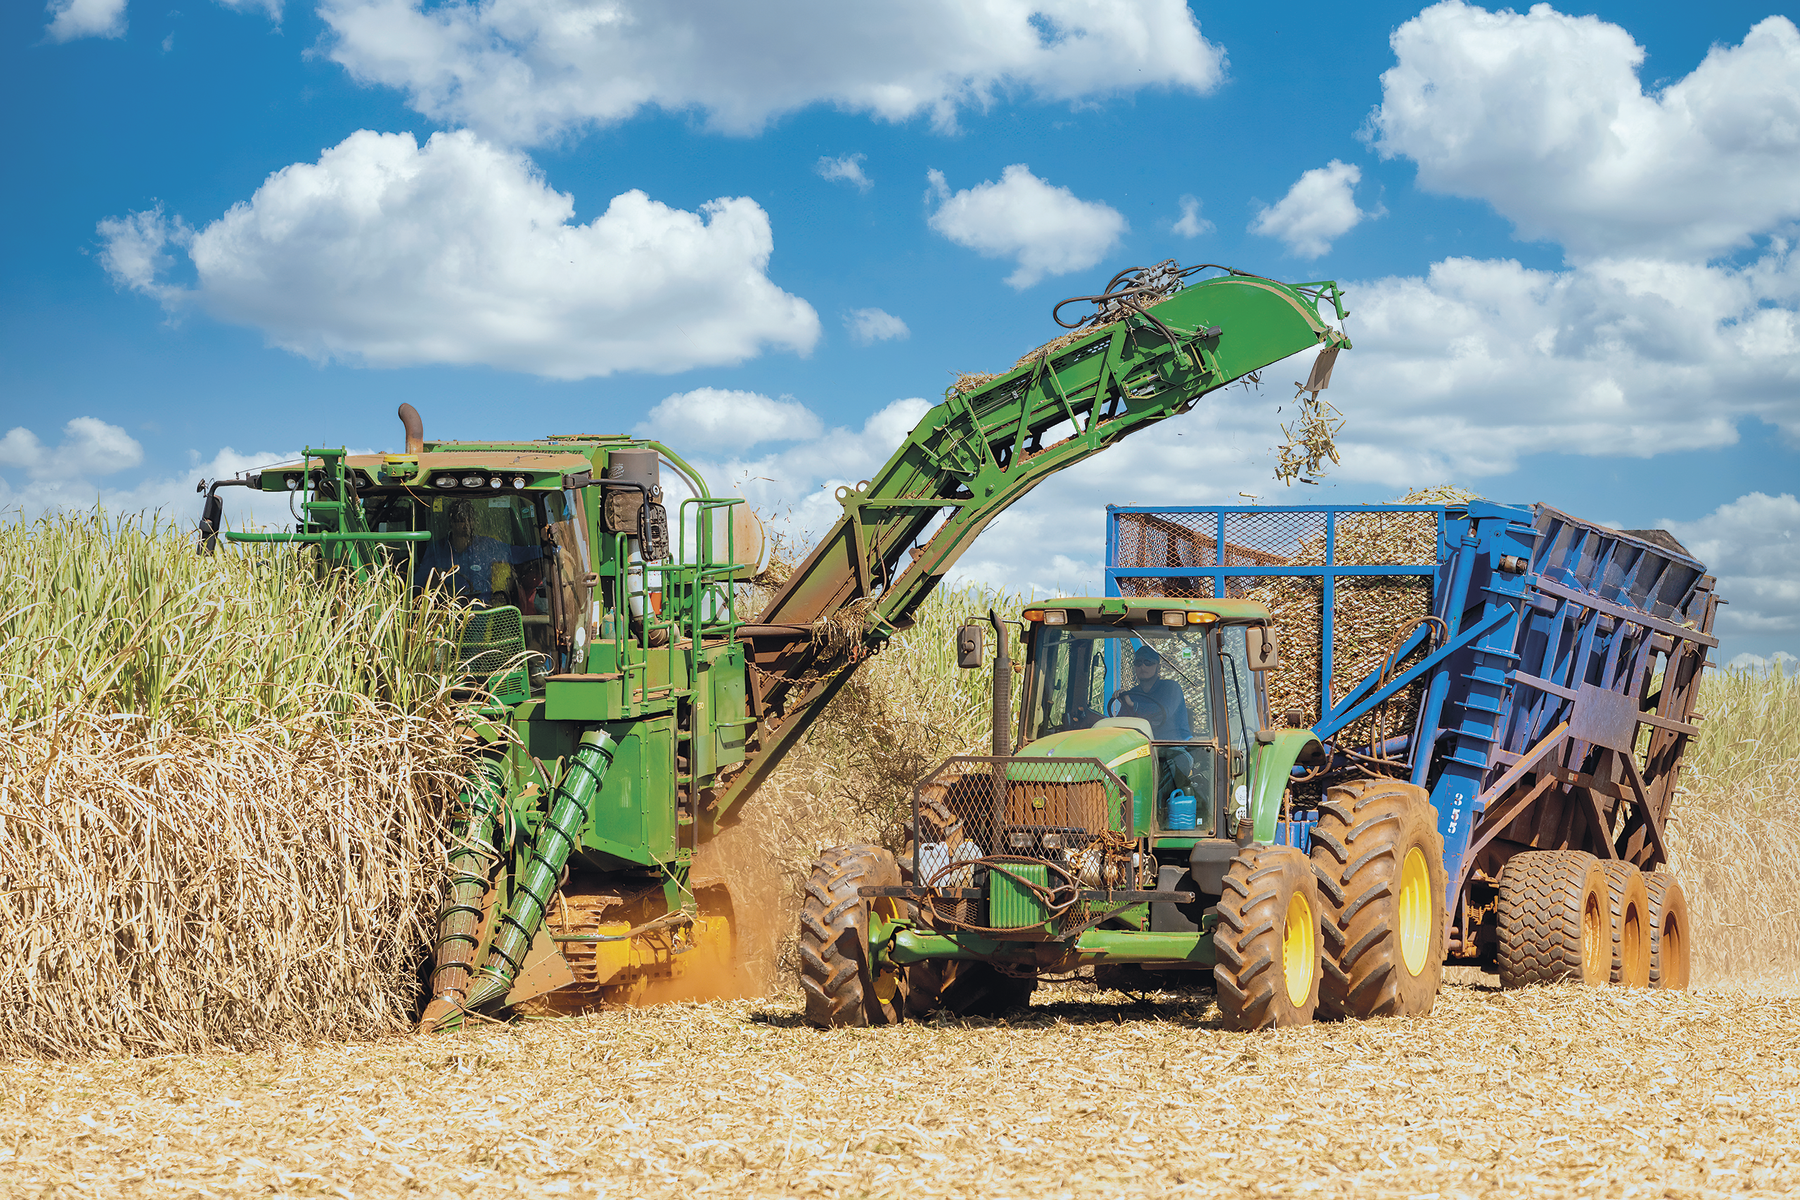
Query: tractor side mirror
point(212, 515)
point(971, 647)
point(1260, 641)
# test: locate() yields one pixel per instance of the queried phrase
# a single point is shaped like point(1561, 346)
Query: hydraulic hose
point(471, 858)
point(550, 852)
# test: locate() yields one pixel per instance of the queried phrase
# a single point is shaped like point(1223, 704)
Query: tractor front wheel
point(1380, 861)
point(837, 974)
point(1267, 943)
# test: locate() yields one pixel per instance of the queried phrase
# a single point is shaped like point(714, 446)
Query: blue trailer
point(1535, 673)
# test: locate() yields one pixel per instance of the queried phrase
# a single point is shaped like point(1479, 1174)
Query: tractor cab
point(1162, 691)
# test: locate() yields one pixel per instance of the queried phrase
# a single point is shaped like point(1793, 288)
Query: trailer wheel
point(1553, 920)
point(1667, 920)
point(1380, 861)
point(1267, 942)
point(1628, 906)
point(839, 982)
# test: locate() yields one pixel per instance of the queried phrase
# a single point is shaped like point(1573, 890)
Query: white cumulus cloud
point(714, 419)
point(389, 253)
point(89, 447)
point(1463, 371)
point(870, 325)
point(847, 168)
point(1543, 115)
point(1046, 229)
point(79, 472)
point(525, 70)
point(1317, 210)
point(1191, 224)
point(71, 19)
point(1753, 546)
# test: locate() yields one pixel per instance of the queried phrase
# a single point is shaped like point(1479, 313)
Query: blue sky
point(771, 234)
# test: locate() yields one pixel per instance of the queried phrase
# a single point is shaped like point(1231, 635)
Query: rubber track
point(834, 928)
point(1541, 893)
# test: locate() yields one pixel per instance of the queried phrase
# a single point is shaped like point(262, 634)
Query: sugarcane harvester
point(622, 707)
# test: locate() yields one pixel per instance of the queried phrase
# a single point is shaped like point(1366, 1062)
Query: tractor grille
point(1028, 833)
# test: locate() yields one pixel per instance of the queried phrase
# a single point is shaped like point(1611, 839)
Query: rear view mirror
point(1260, 641)
point(971, 647)
point(212, 515)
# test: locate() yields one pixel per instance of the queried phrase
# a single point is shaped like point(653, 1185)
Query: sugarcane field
point(545, 651)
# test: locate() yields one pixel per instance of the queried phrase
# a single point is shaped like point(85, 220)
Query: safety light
point(1033, 614)
point(1202, 618)
point(1055, 616)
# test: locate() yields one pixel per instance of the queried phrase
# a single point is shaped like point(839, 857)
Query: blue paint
point(1478, 716)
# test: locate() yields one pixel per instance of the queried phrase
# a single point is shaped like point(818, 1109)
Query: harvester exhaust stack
point(415, 429)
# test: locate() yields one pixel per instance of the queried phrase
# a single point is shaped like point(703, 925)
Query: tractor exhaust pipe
point(1003, 736)
point(415, 429)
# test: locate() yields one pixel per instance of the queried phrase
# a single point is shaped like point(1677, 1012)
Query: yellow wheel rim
point(1416, 917)
point(1297, 949)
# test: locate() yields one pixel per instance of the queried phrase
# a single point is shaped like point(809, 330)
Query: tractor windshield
point(1154, 673)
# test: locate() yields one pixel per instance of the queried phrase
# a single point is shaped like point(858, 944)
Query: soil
point(1558, 1091)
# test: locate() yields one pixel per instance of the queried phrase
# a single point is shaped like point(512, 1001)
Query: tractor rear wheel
point(1267, 942)
point(1629, 906)
point(1666, 917)
point(1380, 861)
point(1553, 921)
point(837, 975)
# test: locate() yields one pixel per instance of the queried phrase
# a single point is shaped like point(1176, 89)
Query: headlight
point(1052, 841)
point(1056, 616)
point(444, 481)
point(293, 482)
point(472, 481)
point(1019, 841)
point(518, 481)
point(494, 481)
point(1174, 617)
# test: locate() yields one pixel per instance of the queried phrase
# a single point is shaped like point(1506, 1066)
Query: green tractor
point(1137, 826)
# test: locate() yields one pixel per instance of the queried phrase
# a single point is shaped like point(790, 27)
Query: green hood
point(1111, 746)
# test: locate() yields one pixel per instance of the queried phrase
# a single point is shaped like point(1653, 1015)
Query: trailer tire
point(1380, 861)
point(1667, 920)
point(836, 975)
point(1629, 907)
point(1553, 922)
point(1267, 943)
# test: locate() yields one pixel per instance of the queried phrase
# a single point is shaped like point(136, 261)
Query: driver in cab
point(1155, 699)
